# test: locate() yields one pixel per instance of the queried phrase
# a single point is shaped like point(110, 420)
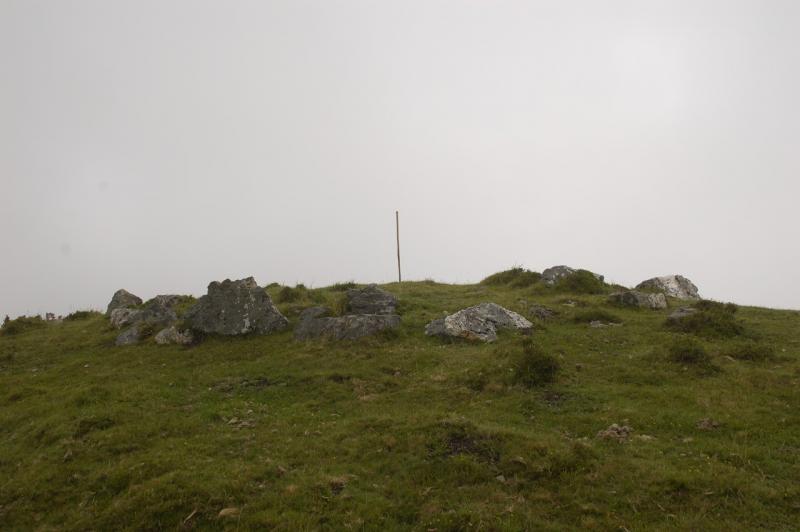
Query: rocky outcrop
point(371, 300)
point(480, 322)
point(235, 307)
point(552, 275)
point(171, 335)
point(676, 286)
point(372, 311)
point(155, 312)
point(349, 327)
point(122, 299)
point(632, 298)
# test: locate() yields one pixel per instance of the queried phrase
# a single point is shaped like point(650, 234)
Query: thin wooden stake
point(397, 225)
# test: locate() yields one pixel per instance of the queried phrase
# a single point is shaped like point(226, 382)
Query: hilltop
point(601, 416)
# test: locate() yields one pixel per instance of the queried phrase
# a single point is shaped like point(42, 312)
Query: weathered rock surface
point(371, 300)
point(129, 336)
point(682, 313)
point(235, 307)
point(477, 323)
point(171, 335)
point(541, 312)
point(314, 312)
point(155, 312)
point(552, 275)
point(632, 298)
point(122, 299)
point(345, 327)
point(671, 285)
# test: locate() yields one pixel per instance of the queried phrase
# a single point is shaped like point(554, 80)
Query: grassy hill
point(407, 432)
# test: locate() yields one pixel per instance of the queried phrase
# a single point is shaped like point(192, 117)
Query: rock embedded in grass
point(371, 300)
point(171, 335)
point(633, 298)
point(676, 286)
point(350, 327)
point(235, 307)
point(479, 322)
point(552, 275)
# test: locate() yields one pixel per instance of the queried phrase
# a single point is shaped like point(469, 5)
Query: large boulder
point(671, 285)
point(370, 300)
point(477, 323)
point(632, 298)
point(235, 307)
point(552, 275)
point(348, 327)
point(122, 299)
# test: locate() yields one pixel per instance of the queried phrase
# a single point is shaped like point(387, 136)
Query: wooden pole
point(397, 225)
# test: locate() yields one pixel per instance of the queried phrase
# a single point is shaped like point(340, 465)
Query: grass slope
point(403, 432)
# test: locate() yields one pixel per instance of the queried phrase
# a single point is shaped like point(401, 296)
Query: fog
point(160, 145)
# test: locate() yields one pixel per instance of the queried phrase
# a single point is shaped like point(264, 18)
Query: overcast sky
point(158, 145)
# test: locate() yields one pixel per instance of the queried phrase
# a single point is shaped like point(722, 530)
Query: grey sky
point(159, 145)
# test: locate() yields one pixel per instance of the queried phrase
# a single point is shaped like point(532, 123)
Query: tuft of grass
point(534, 367)
point(343, 287)
point(686, 350)
point(287, 294)
point(712, 320)
point(21, 324)
point(516, 277)
point(596, 314)
point(581, 282)
point(751, 350)
point(82, 315)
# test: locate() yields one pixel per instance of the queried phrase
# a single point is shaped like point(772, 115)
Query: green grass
point(403, 432)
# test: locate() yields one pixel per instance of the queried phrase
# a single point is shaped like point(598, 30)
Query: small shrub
point(516, 277)
point(21, 325)
point(581, 282)
point(751, 350)
point(687, 350)
point(81, 315)
point(716, 306)
point(287, 294)
point(463, 438)
point(343, 287)
point(534, 368)
point(712, 319)
point(587, 316)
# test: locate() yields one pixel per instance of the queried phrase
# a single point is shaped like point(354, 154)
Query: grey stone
point(171, 335)
point(122, 299)
point(129, 336)
point(235, 307)
point(155, 312)
point(632, 298)
point(552, 275)
point(370, 300)
point(682, 313)
point(345, 327)
point(123, 317)
point(479, 322)
point(676, 286)
point(541, 312)
point(314, 312)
